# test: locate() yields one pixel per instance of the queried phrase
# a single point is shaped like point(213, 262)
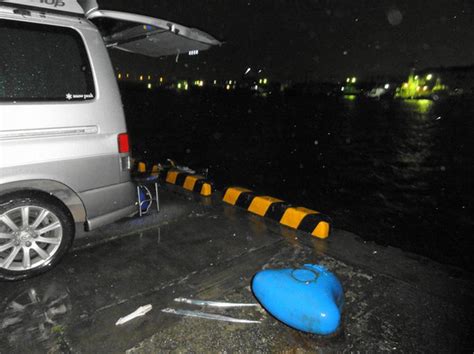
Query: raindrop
point(394, 17)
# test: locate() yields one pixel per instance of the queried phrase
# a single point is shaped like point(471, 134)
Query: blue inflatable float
point(309, 299)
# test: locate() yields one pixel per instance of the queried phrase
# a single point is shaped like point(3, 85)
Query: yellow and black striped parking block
point(299, 218)
point(141, 168)
point(194, 183)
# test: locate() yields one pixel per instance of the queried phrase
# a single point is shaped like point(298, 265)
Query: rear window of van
point(43, 63)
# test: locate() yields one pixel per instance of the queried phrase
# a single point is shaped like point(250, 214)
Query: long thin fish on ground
point(220, 304)
point(207, 316)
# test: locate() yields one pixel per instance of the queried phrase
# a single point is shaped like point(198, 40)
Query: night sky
point(311, 39)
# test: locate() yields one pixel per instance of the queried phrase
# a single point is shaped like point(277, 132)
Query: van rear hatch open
point(129, 32)
point(147, 35)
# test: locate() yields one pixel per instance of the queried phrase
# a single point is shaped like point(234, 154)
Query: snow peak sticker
point(87, 96)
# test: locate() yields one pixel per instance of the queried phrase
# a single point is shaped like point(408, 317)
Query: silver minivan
point(64, 150)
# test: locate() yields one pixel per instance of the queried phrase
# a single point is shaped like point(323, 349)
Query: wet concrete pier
point(202, 248)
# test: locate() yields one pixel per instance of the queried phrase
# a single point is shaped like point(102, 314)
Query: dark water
point(397, 172)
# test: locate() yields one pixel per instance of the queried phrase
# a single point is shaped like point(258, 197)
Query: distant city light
point(416, 77)
point(149, 77)
point(425, 88)
point(386, 86)
point(418, 88)
point(255, 87)
point(141, 77)
point(342, 88)
point(429, 77)
point(247, 71)
point(227, 87)
point(353, 80)
point(265, 81)
point(149, 86)
point(161, 79)
point(186, 86)
point(348, 80)
point(405, 85)
point(119, 76)
point(179, 86)
point(215, 82)
point(128, 75)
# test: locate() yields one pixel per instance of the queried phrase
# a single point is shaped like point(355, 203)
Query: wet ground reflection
point(75, 306)
point(35, 315)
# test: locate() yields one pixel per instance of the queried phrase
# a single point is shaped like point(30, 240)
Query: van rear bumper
point(108, 204)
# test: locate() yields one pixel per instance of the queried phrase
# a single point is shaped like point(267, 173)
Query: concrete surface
point(201, 248)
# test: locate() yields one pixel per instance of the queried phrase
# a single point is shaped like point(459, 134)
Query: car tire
point(36, 231)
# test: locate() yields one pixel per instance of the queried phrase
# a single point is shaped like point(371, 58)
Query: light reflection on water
point(417, 145)
point(349, 97)
point(422, 106)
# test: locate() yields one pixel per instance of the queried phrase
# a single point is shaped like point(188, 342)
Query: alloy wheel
point(29, 237)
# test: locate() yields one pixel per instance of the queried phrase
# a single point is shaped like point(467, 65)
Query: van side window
point(43, 63)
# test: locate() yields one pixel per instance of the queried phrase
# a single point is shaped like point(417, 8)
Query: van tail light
point(123, 144)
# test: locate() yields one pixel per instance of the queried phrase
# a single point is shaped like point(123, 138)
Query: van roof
point(77, 7)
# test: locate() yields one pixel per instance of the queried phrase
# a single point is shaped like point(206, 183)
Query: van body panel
point(110, 218)
point(65, 194)
point(79, 174)
point(105, 200)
